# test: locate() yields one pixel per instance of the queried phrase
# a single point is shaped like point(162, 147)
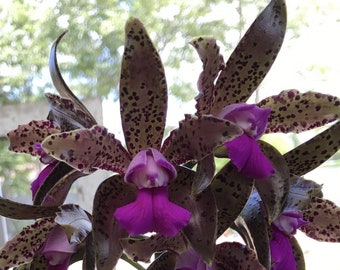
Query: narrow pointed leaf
point(292, 111)
point(298, 254)
point(236, 256)
point(23, 139)
point(110, 195)
point(231, 190)
point(313, 153)
point(196, 138)
point(15, 210)
point(66, 115)
point(274, 189)
point(143, 90)
point(166, 261)
point(56, 186)
point(201, 230)
point(59, 82)
point(143, 249)
point(86, 149)
point(213, 62)
point(22, 247)
point(324, 220)
point(252, 58)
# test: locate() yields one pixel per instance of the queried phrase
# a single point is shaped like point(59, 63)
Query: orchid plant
point(165, 197)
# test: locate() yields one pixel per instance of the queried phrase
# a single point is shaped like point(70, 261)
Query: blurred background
point(90, 56)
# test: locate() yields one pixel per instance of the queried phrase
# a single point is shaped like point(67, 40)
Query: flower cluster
point(154, 187)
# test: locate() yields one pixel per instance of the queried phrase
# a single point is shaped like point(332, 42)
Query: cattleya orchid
point(156, 187)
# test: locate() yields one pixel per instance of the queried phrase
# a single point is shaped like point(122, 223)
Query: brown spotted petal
point(86, 149)
point(196, 137)
point(314, 152)
point(252, 225)
point(64, 113)
point(166, 261)
point(59, 82)
point(298, 254)
point(292, 111)
point(143, 90)
point(274, 189)
point(15, 210)
point(39, 262)
point(201, 230)
point(252, 58)
point(111, 194)
point(24, 138)
point(204, 174)
point(22, 247)
point(213, 62)
point(75, 222)
point(324, 220)
point(143, 249)
point(236, 256)
point(231, 190)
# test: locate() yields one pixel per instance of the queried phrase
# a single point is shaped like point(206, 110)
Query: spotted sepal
point(15, 210)
point(143, 249)
point(230, 254)
point(274, 189)
point(252, 58)
point(231, 190)
point(87, 149)
point(111, 194)
point(196, 137)
point(23, 246)
point(204, 174)
point(213, 63)
point(165, 261)
point(143, 90)
point(298, 254)
point(25, 137)
point(59, 82)
point(64, 113)
point(314, 152)
point(252, 225)
point(38, 262)
point(324, 220)
point(292, 111)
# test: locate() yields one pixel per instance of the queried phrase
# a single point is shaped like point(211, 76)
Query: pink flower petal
point(152, 212)
point(252, 119)
point(246, 155)
point(281, 251)
point(288, 222)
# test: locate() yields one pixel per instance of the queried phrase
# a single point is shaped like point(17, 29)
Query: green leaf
point(292, 111)
point(201, 230)
point(143, 90)
point(23, 139)
point(274, 189)
point(324, 220)
point(314, 152)
point(236, 256)
point(196, 137)
point(253, 57)
point(213, 62)
point(87, 149)
point(23, 246)
point(143, 249)
point(111, 194)
point(231, 190)
point(15, 210)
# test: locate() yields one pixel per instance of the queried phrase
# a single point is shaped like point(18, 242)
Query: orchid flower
point(146, 163)
point(244, 152)
point(280, 247)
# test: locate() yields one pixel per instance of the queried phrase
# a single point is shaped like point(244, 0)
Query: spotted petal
point(252, 58)
point(213, 62)
point(22, 247)
point(86, 149)
point(24, 138)
point(143, 90)
point(292, 111)
point(196, 138)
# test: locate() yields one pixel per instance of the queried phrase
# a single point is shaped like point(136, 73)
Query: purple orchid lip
point(288, 222)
